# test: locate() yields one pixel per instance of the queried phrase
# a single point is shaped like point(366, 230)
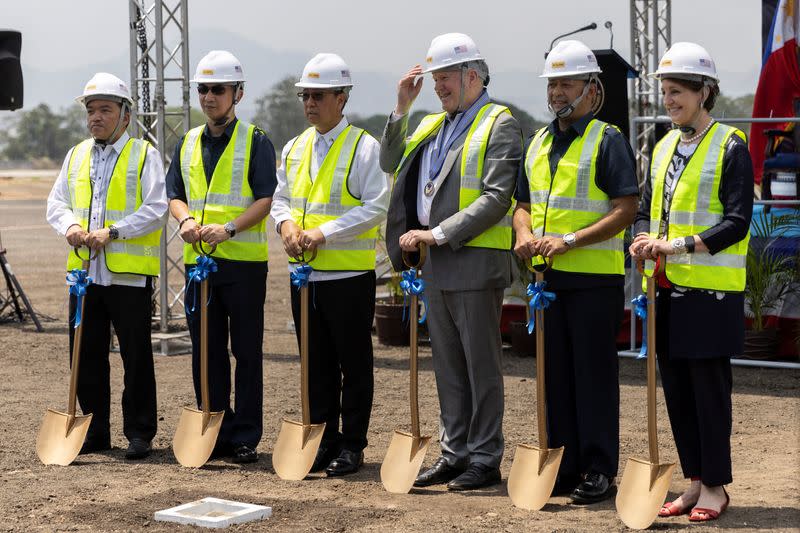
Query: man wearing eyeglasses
point(220, 186)
point(330, 199)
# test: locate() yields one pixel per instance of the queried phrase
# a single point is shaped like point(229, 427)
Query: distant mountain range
point(263, 66)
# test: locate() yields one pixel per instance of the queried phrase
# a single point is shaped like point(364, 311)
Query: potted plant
point(770, 278)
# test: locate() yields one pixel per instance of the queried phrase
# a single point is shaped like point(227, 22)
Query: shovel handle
point(75, 363)
point(199, 248)
point(652, 431)
point(304, 400)
point(541, 391)
point(414, 342)
point(423, 250)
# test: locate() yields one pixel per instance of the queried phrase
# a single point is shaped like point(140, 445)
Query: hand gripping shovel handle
point(76, 344)
point(413, 330)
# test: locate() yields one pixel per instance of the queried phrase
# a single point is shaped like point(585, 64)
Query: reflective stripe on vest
point(138, 255)
point(695, 208)
point(327, 198)
point(571, 200)
point(473, 156)
point(226, 196)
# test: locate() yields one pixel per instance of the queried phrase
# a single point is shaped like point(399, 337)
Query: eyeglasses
point(215, 89)
point(317, 97)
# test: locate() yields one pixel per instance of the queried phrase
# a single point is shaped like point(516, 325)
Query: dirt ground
point(107, 493)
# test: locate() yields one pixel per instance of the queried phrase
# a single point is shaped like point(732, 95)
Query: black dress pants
point(340, 318)
point(237, 293)
point(698, 397)
point(128, 309)
point(582, 377)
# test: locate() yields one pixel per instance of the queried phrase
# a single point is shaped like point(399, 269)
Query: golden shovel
point(407, 450)
point(61, 435)
point(644, 484)
point(298, 442)
point(198, 430)
point(534, 469)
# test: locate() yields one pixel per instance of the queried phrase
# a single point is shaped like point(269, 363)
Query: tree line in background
point(44, 135)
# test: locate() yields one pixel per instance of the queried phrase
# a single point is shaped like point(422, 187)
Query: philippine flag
point(779, 83)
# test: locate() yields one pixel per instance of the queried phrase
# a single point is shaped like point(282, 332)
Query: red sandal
point(670, 509)
point(701, 514)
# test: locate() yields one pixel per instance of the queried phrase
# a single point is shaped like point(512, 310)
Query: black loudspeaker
point(615, 76)
point(10, 70)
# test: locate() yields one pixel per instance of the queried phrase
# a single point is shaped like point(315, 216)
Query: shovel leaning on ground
point(534, 469)
point(61, 435)
point(298, 442)
point(198, 430)
point(407, 451)
point(644, 484)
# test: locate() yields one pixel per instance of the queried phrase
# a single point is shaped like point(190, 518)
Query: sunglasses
point(215, 89)
point(317, 97)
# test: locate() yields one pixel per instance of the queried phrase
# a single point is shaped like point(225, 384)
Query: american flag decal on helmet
point(460, 49)
point(705, 62)
point(237, 68)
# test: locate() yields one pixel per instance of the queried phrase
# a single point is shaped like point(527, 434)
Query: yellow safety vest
point(473, 156)
point(695, 208)
point(328, 198)
point(227, 196)
point(571, 200)
point(138, 255)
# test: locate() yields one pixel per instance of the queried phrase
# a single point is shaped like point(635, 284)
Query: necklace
point(690, 140)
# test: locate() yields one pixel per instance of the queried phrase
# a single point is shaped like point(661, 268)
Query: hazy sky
point(388, 36)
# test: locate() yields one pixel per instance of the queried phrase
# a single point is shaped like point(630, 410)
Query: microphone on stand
point(608, 27)
point(588, 27)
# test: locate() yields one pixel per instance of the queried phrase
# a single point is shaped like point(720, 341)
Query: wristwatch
point(569, 239)
point(679, 245)
point(113, 232)
point(230, 227)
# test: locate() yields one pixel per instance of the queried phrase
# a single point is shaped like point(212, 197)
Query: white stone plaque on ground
point(214, 512)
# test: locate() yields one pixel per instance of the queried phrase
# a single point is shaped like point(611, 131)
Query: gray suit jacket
point(454, 266)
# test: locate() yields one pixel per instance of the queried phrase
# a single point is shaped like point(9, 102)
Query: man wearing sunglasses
point(220, 186)
point(331, 197)
point(455, 175)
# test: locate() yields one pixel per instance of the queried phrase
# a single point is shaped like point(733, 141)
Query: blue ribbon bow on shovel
point(538, 298)
point(205, 266)
point(640, 308)
point(78, 279)
point(300, 276)
point(412, 285)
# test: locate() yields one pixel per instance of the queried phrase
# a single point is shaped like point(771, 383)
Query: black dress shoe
point(325, 454)
point(565, 484)
point(94, 446)
point(348, 462)
point(440, 472)
point(137, 449)
point(244, 454)
point(476, 476)
point(595, 488)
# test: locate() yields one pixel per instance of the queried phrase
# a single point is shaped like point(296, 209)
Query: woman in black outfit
point(694, 221)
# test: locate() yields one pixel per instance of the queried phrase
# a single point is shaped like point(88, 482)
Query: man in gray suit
point(455, 177)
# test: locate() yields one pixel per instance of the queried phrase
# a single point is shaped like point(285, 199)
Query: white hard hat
point(570, 59)
point(451, 49)
point(687, 61)
point(218, 66)
point(107, 85)
point(325, 71)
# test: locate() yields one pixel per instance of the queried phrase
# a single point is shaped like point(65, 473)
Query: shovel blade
point(296, 449)
point(533, 475)
point(196, 436)
point(403, 460)
point(60, 439)
point(642, 491)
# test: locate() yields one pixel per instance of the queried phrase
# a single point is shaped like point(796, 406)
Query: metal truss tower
point(651, 35)
point(159, 61)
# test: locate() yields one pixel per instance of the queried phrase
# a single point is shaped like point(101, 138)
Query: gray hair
point(481, 68)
